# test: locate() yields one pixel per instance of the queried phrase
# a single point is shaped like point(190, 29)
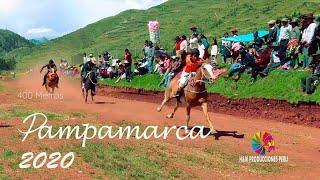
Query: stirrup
point(178, 94)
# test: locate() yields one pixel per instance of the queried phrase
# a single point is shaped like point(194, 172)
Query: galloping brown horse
point(52, 81)
point(194, 93)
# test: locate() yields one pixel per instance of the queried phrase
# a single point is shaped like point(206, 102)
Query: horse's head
point(207, 72)
point(52, 75)
point(92, 77)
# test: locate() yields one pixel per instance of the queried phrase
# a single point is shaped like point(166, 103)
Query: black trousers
point(256, 69)
point(283, 49)
point(128, 73)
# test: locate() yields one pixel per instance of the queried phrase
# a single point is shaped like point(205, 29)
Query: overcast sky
point(52, 18)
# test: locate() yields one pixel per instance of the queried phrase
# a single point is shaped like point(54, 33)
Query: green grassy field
point(18, 111)
point(280, 85)
point(162, 160)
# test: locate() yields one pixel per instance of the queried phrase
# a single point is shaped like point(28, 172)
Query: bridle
point(204, 79)
point(90, 78)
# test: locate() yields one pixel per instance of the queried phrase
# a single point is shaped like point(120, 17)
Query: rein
point(90, 78)
point(203, 80)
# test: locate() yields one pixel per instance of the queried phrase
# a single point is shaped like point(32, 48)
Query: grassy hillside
point(129, 29)
point(214, 17)
point(10, 41)
point(280, 85)
point(39, 41)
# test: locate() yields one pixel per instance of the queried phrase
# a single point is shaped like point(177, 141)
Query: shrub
point(7, 63)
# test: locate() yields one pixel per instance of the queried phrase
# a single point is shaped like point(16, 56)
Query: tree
point(7, 63)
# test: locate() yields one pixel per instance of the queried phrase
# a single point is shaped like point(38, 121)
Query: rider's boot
point(44, 81)
point(57, 83)
point(178, 93)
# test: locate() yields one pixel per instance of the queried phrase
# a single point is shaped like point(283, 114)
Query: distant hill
point(10, 41)
point(129, 29)
point(38, 41)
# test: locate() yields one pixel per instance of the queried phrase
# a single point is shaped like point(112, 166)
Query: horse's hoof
point(213, 131)
point(186, 134)
point(169, 116)
point(158, 109)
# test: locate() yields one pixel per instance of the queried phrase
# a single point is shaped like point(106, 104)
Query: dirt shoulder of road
point(307, 114)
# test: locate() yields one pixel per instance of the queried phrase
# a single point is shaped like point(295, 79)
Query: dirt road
point(300, 143)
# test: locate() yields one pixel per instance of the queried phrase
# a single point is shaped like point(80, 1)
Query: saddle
point(190, 80)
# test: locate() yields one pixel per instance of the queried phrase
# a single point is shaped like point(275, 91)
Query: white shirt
point(225, 43)
point(184, 45)
point(193, 43)
point(144, 64)
point(214, 50)
point(109, 70)
point(201, 50)
point(308, 33)
point(276, 59)
point(285, 32)
point(85, 59)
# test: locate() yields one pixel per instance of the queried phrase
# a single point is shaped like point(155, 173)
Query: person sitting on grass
point(263, 59)
point(141, 67)
point(121, 72)
point(174, 67)
point(235, 71)
point(235, 50)
point(309, 84)
point(164, 68)
point(157, 64)
point(110, 71)
point(244, 60)
point(273, 64)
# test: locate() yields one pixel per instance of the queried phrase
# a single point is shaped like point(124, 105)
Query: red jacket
point(178, 45)
point(127, 56)
point(264, 57)
point(191, 66)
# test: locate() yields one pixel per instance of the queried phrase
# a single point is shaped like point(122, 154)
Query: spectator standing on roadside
point(284, 38)
point(225, 51)
point(295, 35)
point(307, 36)
point(150, 57)
point(214, 53)
point(183, 45)
point(177, 46)
point(128, 64)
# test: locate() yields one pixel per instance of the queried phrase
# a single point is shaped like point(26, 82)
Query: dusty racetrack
point(303, 113)
point(299, 142)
